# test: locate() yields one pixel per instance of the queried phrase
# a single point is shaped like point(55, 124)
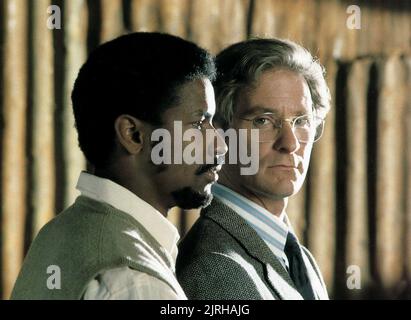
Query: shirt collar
point(107, 191)
point(272, 229)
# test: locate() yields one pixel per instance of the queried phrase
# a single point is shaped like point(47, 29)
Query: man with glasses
point(243, 246)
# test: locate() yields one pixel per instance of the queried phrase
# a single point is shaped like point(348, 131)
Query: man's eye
point(261, 122)
point(302, 122)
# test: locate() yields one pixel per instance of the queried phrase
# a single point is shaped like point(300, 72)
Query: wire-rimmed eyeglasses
point(306, 128)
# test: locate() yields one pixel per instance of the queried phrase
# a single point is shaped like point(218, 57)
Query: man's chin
point(187, 198)
point(278, 191)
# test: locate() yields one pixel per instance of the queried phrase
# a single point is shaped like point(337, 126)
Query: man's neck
point(141, 188)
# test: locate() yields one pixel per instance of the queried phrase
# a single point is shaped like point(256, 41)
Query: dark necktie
point(297, 269)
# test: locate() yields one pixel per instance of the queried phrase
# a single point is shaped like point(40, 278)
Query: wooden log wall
point(355, 208)
point(14, 164)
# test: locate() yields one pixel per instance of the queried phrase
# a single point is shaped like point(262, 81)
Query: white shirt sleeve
point(128, 284)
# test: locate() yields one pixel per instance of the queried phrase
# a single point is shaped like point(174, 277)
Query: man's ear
point(130, 133)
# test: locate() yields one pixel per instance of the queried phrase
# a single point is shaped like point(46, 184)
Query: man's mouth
point(212, 168)
point(284, 166)
point(209, 168)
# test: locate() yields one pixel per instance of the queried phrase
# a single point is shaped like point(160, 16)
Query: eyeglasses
point(306, 128)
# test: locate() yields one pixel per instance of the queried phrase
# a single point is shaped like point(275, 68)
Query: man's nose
point(286, 141)
point(221, 147)
point(215, 144)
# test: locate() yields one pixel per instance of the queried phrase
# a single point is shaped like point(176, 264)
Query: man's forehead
point(279, 85)
point(196, 99)
point(200, 98)
point(253, 102)
point(276, 109)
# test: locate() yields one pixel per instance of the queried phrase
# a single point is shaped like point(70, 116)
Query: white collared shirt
point(124, 283)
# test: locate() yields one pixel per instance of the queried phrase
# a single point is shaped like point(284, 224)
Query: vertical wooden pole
point(174, 16)
point(205, 15)
point(43, 119)
point(389, 172)
point(111, 19)
point(378, 23)
point(297, 21)
point(348, 39)
point(330, 22)
point(234, 28)
point(357, 209)
point(13, 204)
point(75, 40)
point(399, 25)
point(263, 21)
point(321, 232)
point(363, 35)
point(403, 29)
point(144, 15)
point(407, 134)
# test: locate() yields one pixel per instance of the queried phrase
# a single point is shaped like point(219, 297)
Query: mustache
point(204, 168)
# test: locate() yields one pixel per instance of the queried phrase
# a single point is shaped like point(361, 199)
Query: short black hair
point(137, 74)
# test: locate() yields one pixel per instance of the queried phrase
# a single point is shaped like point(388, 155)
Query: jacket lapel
point(315, 275)
point(284, 289)
point(235, 225)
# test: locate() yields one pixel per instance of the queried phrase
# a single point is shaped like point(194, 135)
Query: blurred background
point(355, 207)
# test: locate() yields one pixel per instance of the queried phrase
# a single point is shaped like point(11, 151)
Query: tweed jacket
point(223, 258)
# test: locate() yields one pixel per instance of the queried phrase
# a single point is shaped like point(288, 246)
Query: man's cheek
point(306, 159)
